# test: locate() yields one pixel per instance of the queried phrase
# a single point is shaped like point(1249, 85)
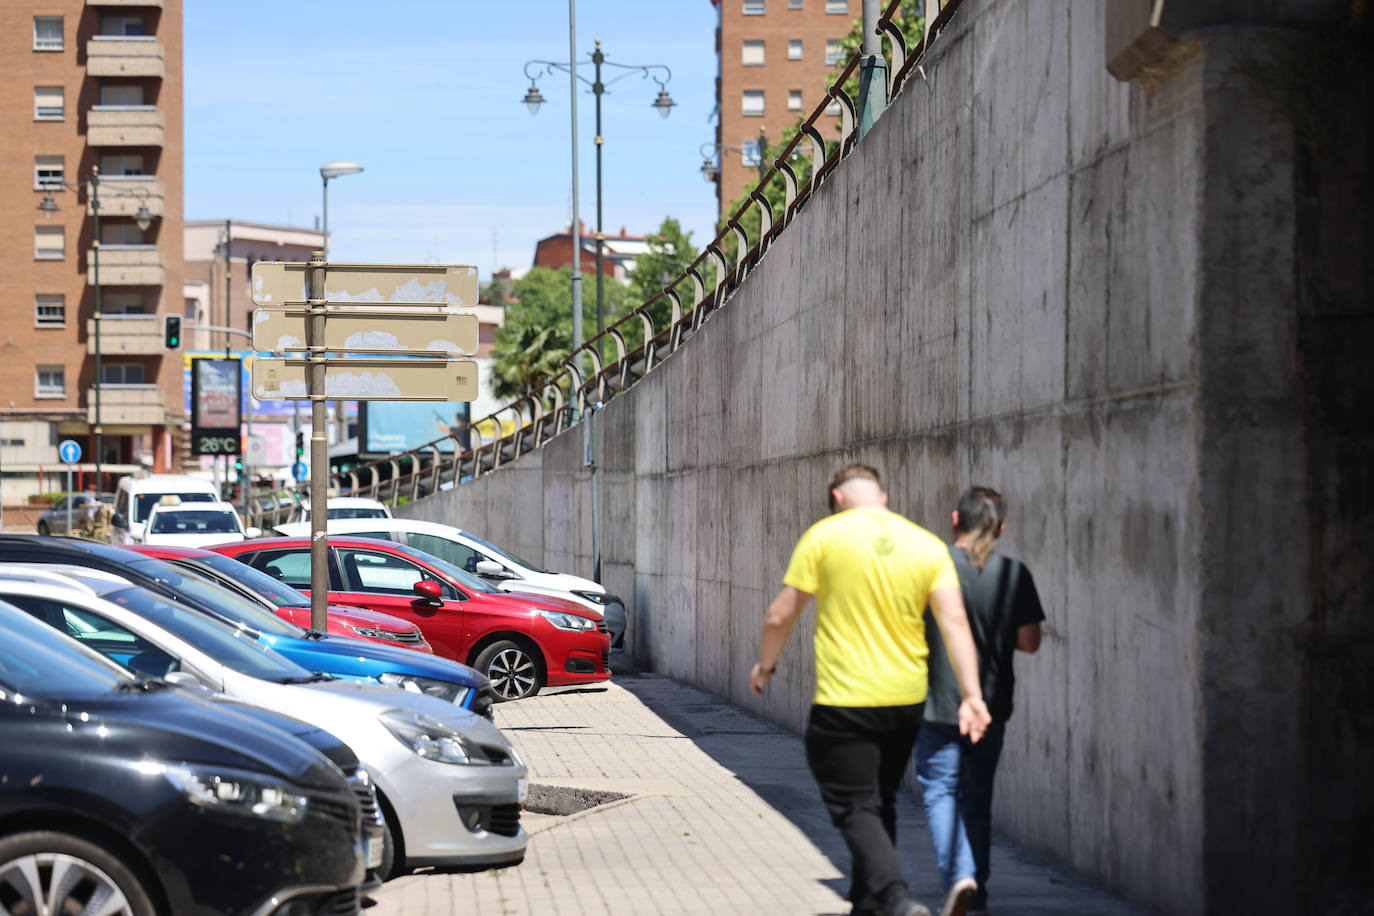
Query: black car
point(119, 794)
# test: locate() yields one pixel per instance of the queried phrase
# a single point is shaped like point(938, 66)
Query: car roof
point(170, 551)
point(389, 524)
point(338, 540)
point(153, 481)
point(195, 507)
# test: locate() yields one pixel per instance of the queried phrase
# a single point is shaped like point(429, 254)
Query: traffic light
point(300, 446)
point(171, 331)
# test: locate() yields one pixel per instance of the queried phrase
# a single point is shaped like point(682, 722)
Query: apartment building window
point(50, 382)
point(120, 234)
point(794, 100)
point(834, 51)
point(749, 153)
point(121, 94)
point(127, 26)
point(753, 54)
point(121, 374)
point(115, 164)
point(794, 49)
point(47, 33)
point(49, 310)
point(49, 243)
point(753, 8)
point(752, 102)
point(47, 103)
point(794, 4)
point(833, 108)
point(121, 303)
point(837, 6)
point(49, 172)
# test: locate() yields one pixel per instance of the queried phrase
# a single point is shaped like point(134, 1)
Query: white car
point(449, 783)
point(342, 507)
point(172, 523)
point(467, 551)
point(136, 496)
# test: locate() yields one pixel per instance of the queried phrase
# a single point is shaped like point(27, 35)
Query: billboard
point(395, 426)
point(247, 358)
point(216, 399)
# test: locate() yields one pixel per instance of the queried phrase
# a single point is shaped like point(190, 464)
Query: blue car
point(333, 655)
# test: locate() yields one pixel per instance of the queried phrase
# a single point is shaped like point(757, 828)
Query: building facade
point(91, 190)
point(776, 59)
point(618, 252)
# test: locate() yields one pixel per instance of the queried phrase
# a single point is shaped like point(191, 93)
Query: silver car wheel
point(59, 883)
point(513, 674)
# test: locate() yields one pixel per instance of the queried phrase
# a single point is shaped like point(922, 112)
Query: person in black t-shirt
point(1004, 613)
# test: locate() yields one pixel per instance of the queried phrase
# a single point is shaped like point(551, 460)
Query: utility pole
point(872, 70)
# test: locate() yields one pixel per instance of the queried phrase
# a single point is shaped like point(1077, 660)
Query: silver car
point(54, 520)
point(449, 783)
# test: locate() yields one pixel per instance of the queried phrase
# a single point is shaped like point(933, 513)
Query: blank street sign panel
point(369, 330)
point(453, 285)
point(369, 379)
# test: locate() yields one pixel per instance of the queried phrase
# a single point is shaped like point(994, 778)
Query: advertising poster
point(395, 426)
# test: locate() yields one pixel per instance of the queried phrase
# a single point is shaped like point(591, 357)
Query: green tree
point(670, 253)
point(526, 359)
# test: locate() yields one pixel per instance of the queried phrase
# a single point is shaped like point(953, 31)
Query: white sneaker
point(959, 897)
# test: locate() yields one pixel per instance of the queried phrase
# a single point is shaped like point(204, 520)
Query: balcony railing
point(122, 195)
point(126, 404)
point(124, 55)
point(126, 265)
point(124, 125)
point(126, 335)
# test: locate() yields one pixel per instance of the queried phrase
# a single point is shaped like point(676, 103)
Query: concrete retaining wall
point(1031, 276)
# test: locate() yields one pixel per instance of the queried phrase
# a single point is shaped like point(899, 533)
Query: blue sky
point(426, 94)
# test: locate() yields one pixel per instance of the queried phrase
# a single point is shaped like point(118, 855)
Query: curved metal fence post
point(790, 185)
point(675, 320)
point(765, 217)
point(817, 154)
point(477, 446)
point(373, 489)
point(849, 118)
point(395, 481)
point(742, 251)
point(898, 43)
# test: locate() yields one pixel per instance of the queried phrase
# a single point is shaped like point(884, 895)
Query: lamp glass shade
point(664, 103)
point(143, 219)
point(533, 99)
point(339, 167)
point(708, 171)
point(48, 205)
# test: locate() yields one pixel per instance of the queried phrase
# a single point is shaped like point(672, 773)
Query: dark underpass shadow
point(771, 761)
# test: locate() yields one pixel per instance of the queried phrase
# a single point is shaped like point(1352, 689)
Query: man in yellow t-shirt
point(873, 574)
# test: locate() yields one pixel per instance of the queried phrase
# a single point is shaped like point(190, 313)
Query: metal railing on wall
point(692, 297)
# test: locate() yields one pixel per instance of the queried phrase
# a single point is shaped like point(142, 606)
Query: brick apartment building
point(86, 85)
point(776, 59)
point(618, 252)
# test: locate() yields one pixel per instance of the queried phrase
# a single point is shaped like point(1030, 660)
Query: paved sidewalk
point(722, 818)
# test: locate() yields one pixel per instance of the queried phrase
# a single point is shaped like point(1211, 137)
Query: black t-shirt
point(999, 598)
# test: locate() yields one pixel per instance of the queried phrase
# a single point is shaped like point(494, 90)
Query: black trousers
point(857, 755)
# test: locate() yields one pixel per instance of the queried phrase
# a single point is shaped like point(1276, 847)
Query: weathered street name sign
point(369, 379)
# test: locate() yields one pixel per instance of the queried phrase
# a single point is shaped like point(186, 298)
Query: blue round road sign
point(299, 470)
point(69, 451)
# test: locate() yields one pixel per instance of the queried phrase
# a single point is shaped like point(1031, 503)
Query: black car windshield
point(457, 574)
point(194, 521)
point(235, 647)
point(255, 580)
point(38, 661)
point(503, 554)
point(144, 502)
point(218, 598)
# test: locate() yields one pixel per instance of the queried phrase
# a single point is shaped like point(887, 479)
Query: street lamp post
point(143, 219)
point(330, 170)
point(710, 169)
point(663, 104)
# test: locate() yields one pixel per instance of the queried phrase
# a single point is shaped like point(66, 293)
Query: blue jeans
point(957, 776)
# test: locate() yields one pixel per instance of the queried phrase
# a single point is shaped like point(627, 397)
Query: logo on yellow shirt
point(884, 546)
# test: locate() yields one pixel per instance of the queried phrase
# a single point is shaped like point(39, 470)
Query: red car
point(288, 603)
point(522, 642)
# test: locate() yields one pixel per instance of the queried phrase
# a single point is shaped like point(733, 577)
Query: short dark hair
point(847, 473)
point(980, 515)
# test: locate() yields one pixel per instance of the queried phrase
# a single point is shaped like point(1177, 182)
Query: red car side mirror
point(427, 588)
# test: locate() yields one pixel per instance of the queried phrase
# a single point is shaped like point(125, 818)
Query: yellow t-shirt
point(872, 572)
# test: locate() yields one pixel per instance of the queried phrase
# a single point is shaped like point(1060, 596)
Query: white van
point(136, 496)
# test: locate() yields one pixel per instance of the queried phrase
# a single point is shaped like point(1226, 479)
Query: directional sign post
point(70, 453)
point(409, 311)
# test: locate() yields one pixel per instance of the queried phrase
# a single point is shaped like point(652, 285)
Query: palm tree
point(527, 360)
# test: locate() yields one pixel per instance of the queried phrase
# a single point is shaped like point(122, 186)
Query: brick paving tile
point(722, 818)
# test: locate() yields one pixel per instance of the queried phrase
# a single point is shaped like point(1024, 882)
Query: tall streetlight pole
point(143, 219)
point(663, 104)
point(710, 168)
point(327, 171)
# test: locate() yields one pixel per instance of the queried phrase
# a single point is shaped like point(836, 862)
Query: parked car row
point(145, 669)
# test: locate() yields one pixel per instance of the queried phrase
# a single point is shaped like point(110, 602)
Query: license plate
point(374, 852)
point(522, 789)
